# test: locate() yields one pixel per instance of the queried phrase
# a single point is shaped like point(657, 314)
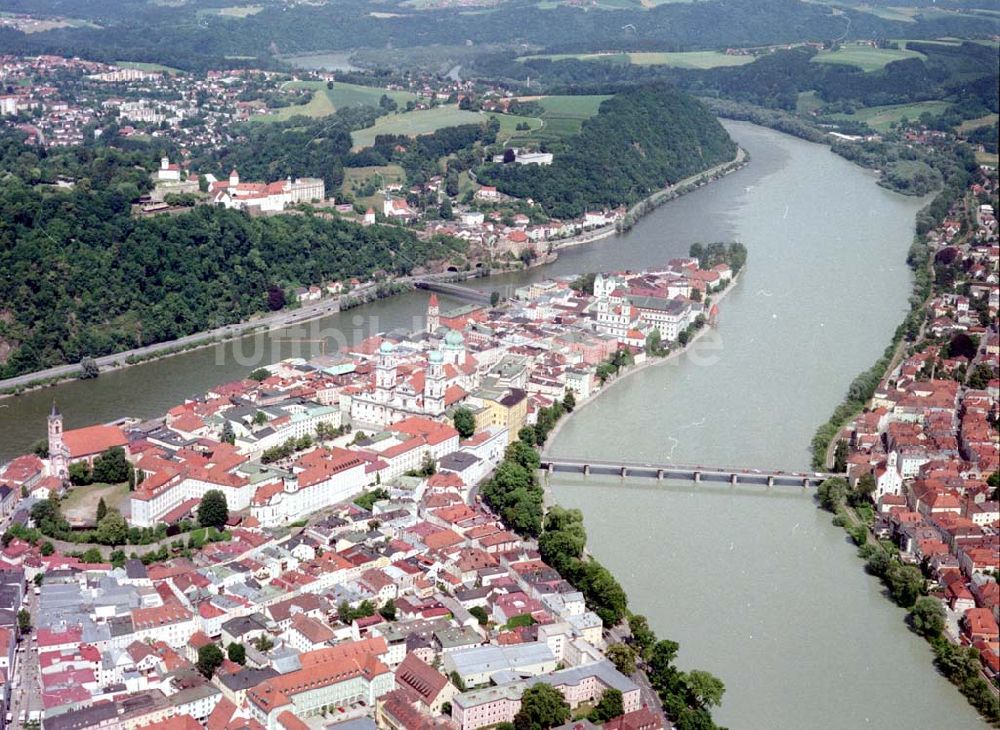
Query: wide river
point(756, 585)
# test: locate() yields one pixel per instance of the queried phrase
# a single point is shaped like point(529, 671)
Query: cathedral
point(404, 386)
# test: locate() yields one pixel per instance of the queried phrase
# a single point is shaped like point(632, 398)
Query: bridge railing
point(670, 466)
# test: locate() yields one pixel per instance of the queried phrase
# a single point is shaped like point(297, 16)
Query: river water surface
point(756, 585)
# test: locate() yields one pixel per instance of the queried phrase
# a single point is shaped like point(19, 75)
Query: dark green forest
point(639, 141)
point(79, 275)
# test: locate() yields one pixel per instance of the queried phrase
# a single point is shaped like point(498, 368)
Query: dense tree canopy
point(213, 510)
point(542, 707)
point(80, 276)
point(639, 141)
point(210, 658)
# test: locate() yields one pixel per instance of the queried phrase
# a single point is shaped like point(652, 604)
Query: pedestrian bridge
point(457, 291)
point(695, 473)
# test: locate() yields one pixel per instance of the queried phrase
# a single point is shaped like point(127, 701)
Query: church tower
point(58, 455)
point(454, 348)
point(435, 384)
point(433, 314)
point(385, 373)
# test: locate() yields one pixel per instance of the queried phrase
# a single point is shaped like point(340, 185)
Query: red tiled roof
point(92, 440)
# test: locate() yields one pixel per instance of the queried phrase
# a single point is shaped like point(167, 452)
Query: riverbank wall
point(652, 202)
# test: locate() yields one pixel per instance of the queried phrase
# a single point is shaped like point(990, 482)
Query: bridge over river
point(696, 473)
point(457, 291)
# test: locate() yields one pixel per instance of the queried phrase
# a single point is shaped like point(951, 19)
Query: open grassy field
point(688, 59)
point(202, 535)
point(356, 178)
point(326, 101)
point(987, 158)
point(426, 121)
point(30, 24)
point(415, 123)
point(79, 507)
point(612, 4)
point(988, 121)
point(563, 115)
point(808, 101)
point(863, 56)
point(887, 13)
point(509, 122)
point(148, 66)
point(882, 117)
point(235, 11)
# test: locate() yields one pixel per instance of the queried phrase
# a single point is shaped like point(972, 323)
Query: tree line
point(907, 586)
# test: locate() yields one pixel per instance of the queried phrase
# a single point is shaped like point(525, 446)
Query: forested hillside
point(190, 36)
point(80, 276)
point(964, 72)
point(639, 141)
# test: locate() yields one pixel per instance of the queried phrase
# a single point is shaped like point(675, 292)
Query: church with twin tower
point(427, 391)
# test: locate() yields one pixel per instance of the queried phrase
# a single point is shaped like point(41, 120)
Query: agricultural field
point(563, 115)
point(426, 121)
point(687, 59)
point(358, 180)
point(509, 123)
point(148, 67)
point(808, 102)
point(326, 101)
point(901, 15)
point(79, 507)
point(235, 12)
point(987, 158)
point(969, 124)
point(613, 4)
point(882, 118)
point(864, 56)
point(415, 123)
point(690, 59)
point(29, 24)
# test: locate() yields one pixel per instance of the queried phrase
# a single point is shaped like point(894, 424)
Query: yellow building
point(506, 408)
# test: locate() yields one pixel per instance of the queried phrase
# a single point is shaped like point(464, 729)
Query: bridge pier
point(551, 467)
point(624, 472)
point(697, 477)
point(805, 483)
point(770, 480)
point(734, 479)
point(586, 470)
point(659, 475)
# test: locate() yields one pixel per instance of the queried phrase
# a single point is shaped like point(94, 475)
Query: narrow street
point(26, 693)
